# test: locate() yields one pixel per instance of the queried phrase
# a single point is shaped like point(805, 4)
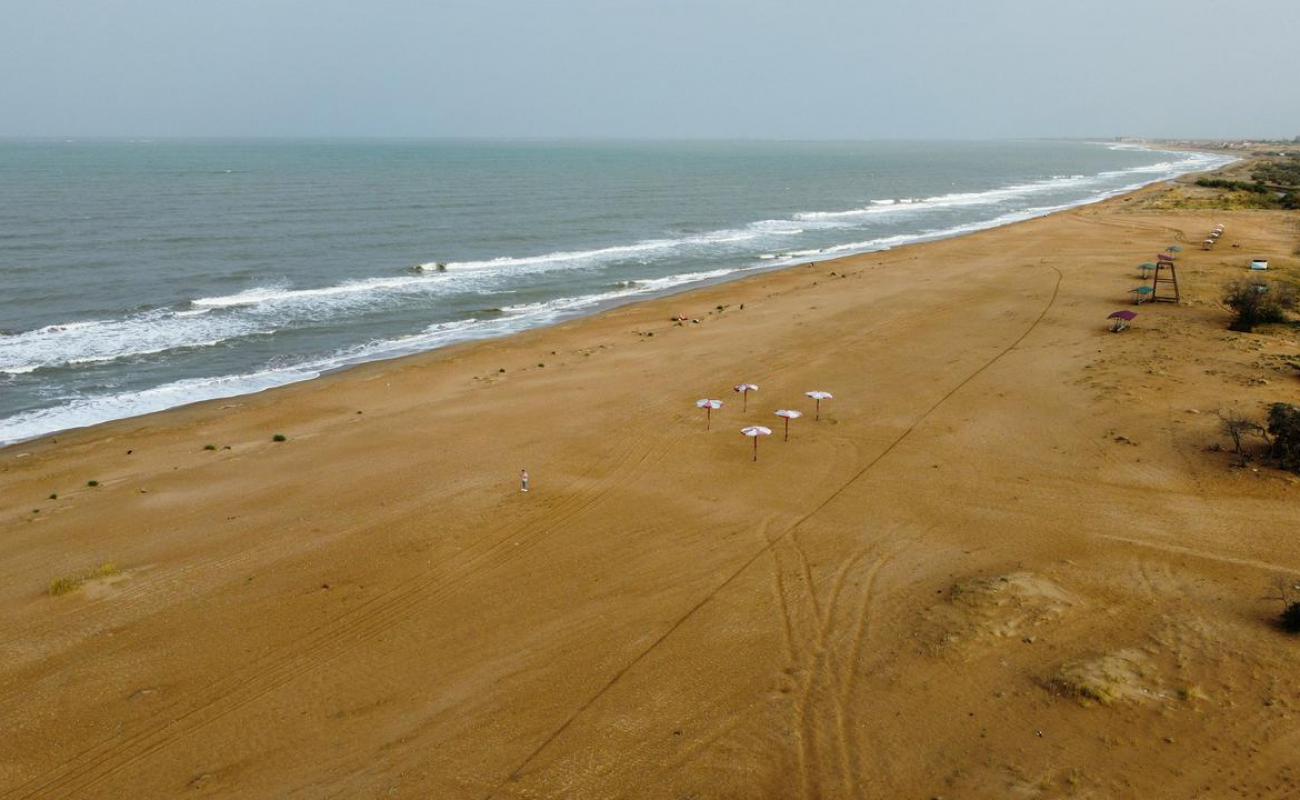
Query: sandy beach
point(1003, 564)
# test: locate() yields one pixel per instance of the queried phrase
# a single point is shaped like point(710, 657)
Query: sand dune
point(1002, 564)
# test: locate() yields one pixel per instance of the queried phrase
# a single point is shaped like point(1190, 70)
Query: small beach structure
point(788, 414)
point(819, 396)
point(1208, 244)
point(1259, 264)
point(745, 389)
point(1120, 320)
point(754, 432)
point(1146, 268)
point(708, 406)
point(1143, 294)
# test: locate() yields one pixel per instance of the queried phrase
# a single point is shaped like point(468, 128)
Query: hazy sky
point(655, 68)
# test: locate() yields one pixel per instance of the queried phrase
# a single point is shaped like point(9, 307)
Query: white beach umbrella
point(745, 389)
point(708, 406)
point(789, 414)
point(819, 397)
point(755, 431)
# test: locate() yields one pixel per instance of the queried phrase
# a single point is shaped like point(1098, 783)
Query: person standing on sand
point(523, 480)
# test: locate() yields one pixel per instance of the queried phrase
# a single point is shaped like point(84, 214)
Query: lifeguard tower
point(1164, 281)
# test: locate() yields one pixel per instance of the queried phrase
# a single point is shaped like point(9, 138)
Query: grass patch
point(92, 483)
point(54, 495)
point(71, 583)
point(209, 447)
point(279, 437)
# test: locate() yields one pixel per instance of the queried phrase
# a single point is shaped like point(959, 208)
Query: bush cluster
point(1284, 430)
point(1256, 301)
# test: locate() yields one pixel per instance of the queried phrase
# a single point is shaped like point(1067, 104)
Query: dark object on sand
point(1121, 320)
point(1290, 620)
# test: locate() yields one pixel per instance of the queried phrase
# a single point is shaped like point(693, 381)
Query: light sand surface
point(1005, 511)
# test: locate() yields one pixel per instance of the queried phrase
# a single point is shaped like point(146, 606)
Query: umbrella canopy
point(1173, 248)
point(708, 406)
point(754, 432)
point(1124, 315)
point(819, 396)
point(788, 414)
point(745, 389)
point(1146, 266)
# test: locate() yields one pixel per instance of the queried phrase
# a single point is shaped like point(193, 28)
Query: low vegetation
point(1255, 301)
point(1239, 428)
point(279, 437)
point(1284, 429)
point(92, 484)
point(71, 583)
point(1274, 183)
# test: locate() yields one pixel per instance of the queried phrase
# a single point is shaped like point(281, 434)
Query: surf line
point(515, 773)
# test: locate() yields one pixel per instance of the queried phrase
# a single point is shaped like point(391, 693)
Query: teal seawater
point(141, 275)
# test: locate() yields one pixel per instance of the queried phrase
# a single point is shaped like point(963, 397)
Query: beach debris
point(1121, 320)
point(819, 396)
point(788, 414)
point(745, 389)
point(708, 406)
point(754, 432)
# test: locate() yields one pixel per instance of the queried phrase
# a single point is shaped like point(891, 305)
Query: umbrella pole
point(756, 448)
point(744, 400)
point(819, 409)
point(787, 429)
point(708, 418)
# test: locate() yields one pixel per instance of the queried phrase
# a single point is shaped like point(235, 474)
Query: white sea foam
point(262, 310)
point(1189, 162)
point(80, 411)
point(92, 341)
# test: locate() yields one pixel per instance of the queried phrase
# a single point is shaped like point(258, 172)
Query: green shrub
point(1256, 301)
point(209, 447)
point(279, 437)
point(92, 483)
point(1284, 428)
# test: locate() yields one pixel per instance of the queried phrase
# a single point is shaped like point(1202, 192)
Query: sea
point(139, 275)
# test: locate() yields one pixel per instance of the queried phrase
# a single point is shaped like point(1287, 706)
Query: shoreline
point(733, 274)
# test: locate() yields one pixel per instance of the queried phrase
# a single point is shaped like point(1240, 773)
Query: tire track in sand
point(618, 675)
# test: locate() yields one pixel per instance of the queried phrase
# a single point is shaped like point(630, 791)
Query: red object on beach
point(745, 389)
point(755, 431)
point(1165, 257)
point(708, 406)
